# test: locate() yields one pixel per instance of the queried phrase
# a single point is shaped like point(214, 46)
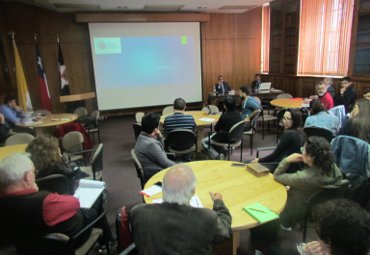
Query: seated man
point(26, 212)
point(228, 119)
point(179, 119)
point(221, 87)
point(329, 86)
point(174, 227)
point(11, 111)
point(256, 83)
point(323, 95)
point(149, 147)
point(250, 104)
point(321, 118)
point(347, 95)
point(367, 94)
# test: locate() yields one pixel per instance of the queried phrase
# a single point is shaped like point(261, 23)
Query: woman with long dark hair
point(320, 170)
point(290, 141)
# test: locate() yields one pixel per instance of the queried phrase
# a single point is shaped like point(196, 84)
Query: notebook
point(88, 192)
point(265, 86)
point(260, 212)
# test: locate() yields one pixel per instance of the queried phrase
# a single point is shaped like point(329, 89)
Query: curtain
point(265, 39)
point(324, 38)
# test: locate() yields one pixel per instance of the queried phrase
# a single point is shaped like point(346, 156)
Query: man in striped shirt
point(179, 119)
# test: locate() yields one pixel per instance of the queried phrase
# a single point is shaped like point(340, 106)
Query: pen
point(257, 210)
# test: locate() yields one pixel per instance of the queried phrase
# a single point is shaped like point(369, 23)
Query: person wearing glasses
point(320, 170)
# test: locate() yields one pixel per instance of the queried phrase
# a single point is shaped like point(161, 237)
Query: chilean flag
point(44, 94)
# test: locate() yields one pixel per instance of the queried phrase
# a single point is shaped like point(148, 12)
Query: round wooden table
point(288, 103)
point(202, 119)
point(10, 149)
point(44, 124)
point(238, 188)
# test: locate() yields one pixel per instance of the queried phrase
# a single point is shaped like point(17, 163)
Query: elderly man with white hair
point(26, 212)
point(174, 227)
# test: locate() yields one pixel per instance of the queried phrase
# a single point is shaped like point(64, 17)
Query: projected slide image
point(144, 60)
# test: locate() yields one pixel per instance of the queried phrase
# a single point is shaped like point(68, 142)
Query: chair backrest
point(139, 116)
point(19, 138)
point(340, 112)
point(168, 110)
point(137, 129)
point(42, 112)
point(316, 131)
point(54, 183)
point(97, 159)
point(95, 115)
point(211, 109)
point(236, 132)
point(73, 141)
point(180, 139)
point(284, 95)
point(139, 168)
point(328, 192)
point(81, 111)
point(253, 117)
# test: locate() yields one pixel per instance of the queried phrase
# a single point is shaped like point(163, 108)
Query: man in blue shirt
point(11, 111)
point(250, 104)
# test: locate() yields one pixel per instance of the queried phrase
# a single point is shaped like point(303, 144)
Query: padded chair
point(253, 121)
point(96, 164)
point(137, 129)
point(211, 109)
point(42, 112)
point(284, 95)
point(72, 143)
point(139, 116)
point(323, 194)
point(139, 168)
point(168, 110)
point(19, 138)
point(316, 131)
point(234, 139)
point(181, 141)
point(94, 129)
point(81, 111)
point(55, 183)
point(61, 244)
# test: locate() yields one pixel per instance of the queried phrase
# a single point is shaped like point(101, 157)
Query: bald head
point(179, 184)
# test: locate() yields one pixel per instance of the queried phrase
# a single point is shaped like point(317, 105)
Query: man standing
point(256, 83)
point(174, 227)
point(149, 147)
point(221, 87)
point(179, 119)
point(11, 111)
point(324, 96)
point(347, 95)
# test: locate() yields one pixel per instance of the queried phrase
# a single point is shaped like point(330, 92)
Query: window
point(324, 38)
point(265, 38)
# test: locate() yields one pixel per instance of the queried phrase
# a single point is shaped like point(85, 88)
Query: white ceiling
point(205, 6)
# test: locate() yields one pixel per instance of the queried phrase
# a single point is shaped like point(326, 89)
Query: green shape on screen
point(260, 212)
point(107, 45)
point(184, 39)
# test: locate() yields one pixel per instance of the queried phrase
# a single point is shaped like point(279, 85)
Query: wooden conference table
point(10, 149)
point(48, 123)
point(202, 119)
point(289, 103)
point(238, 188)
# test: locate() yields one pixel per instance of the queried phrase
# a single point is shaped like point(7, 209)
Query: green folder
point(260, 212)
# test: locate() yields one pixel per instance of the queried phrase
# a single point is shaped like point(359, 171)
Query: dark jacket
point(224, 124)
point(348, 99)
point(179, 229)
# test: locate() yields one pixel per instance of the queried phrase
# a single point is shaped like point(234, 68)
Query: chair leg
point(263, 130)
point(241, 151)
point(304, 231)
point(251, 143)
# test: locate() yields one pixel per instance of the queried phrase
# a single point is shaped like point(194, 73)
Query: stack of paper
point(260, 212)
point(194, 201)
point(88, 192)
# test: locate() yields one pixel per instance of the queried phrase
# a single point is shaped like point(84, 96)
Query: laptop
point(265, 86)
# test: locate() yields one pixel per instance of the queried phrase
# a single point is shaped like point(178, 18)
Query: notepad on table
point(206, 119)
point(260, 212)
point(194, 201)
point(155, 189)
point(88, 192)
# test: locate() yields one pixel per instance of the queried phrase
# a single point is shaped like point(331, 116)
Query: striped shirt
point(179, 120)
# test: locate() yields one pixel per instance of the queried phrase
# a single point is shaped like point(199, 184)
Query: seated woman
point(320, 171)
point(321, 118)
point(358, 124)
point(47, 158)
point(290, 142)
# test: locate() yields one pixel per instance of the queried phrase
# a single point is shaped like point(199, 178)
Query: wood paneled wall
point(230, 46)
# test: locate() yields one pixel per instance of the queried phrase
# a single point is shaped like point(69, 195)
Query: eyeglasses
point(303, 150)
